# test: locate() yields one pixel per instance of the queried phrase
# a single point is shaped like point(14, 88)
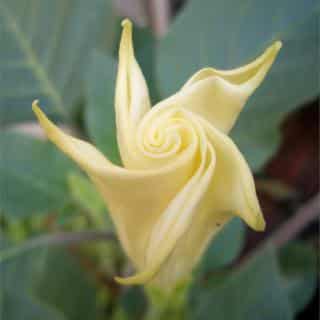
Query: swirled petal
point(233, 190)
point(219, 96)
point(176, 220)
point(136, 198)
point(131, 97)
point(189, 248)
point(230, 192)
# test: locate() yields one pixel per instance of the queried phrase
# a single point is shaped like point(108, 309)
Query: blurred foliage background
point(58, 252)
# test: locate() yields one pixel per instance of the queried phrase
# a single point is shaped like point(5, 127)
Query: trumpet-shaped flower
point(183, 178)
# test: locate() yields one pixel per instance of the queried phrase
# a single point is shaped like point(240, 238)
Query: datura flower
point(183, 178)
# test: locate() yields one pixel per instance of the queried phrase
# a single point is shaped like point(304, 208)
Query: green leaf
point(85, 194)
point(133, 302)
point(99, 112)
point(16, 278)
point(298, 262)
point(145, 50)
point(15, 306)
point(44, 51)
point(224, 248)
point(32, 175)
point(227, 34)
point(45, 284)
point(253, 292)
point(65, 286)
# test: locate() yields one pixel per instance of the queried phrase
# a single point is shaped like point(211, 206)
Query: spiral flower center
point(165, 134)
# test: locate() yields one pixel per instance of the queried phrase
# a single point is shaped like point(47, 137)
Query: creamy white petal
point(176, 219)
point(219, 96)
point(184, 178)
point(230, 192)
point(233, 190)
point(136, 198)
point(131, 98)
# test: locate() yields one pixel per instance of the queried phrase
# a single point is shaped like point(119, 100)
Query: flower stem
point(167, 304)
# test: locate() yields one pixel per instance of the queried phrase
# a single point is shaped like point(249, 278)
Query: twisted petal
point(233, 190)
point(178, 217)
point(151, 209)
point(219, 96)
point(131, 98)
point(228, 191)
point(183, 178)
point(136, 198)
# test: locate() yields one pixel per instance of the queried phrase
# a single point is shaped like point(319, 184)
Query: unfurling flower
point(183, 178)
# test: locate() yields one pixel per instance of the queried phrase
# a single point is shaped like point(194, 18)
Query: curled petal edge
point(219, 96)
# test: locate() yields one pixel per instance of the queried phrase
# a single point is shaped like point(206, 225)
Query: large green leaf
point(45, 284)
point(85, 194)
point(32, 175)
point(16, 306)
point(86, 197)
point(99, 112)
point(133, 303)
point(298, 262)
point(65, 286)
point(224, 248)
point(255, 291)
point(44, 50)
point(227, 34)
point(145, 48)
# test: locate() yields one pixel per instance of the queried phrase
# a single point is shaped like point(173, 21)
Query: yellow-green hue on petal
point(183, 178)
point(116, 184)
point(131, 98)
point(219, 96)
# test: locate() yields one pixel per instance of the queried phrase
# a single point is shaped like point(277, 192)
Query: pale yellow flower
point(183, 177)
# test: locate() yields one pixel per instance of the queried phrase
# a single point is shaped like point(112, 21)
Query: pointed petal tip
point(126, 46)
point(38, 112)
point(126, 23)
point(278, 45)
point(122, 281)
point(35, 106)
point(43, 120)
point(271, 53)
point(139, 278)
point(275, 47)
point(260, 224)
point(133, 280)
